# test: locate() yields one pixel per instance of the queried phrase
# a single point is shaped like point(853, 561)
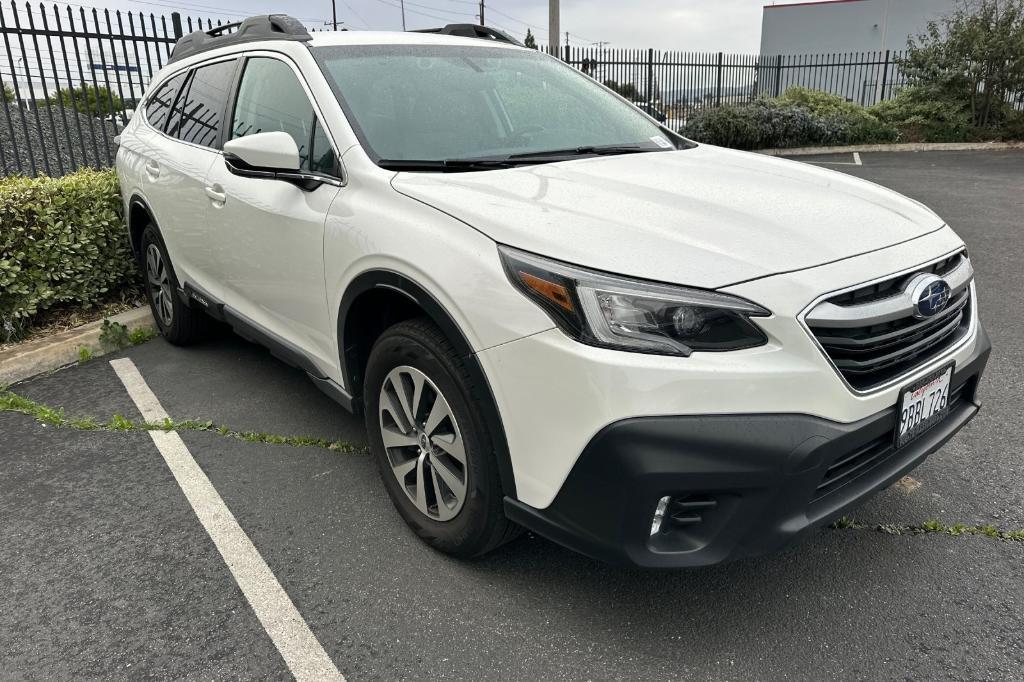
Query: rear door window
point(158, 108)
point(199, 112)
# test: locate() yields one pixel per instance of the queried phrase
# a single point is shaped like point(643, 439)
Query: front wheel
point(433, 451)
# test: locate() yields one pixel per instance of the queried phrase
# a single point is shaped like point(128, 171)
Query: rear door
point(269, 236)
point(195, 131)
point(170, 174)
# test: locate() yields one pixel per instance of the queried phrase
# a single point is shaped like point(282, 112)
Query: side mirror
point(262, 154)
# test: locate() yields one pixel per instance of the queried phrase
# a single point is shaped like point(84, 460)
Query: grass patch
point(12, 402)
point(932, 527)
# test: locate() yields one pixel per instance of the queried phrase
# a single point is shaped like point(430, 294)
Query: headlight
point(628, 314)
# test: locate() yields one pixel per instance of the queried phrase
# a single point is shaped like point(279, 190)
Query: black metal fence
point(679, 83)
point(71, 75)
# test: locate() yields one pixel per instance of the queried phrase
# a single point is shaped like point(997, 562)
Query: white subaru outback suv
point(553, 312)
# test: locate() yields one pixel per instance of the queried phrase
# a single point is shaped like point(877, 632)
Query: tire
point(178, 323)
point(414, 357)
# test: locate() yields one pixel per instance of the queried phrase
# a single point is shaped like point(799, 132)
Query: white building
point(832, 26)
point(847, 47)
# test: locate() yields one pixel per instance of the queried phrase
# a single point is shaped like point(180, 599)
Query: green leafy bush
point(920, 117)
point(94, 100)
point(971, 58)
point(62, 241)
point(762, 124)
point(798, 118)
point(849, 120)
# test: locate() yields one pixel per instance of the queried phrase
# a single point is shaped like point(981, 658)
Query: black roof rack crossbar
point(266, 27)
point(472, 31)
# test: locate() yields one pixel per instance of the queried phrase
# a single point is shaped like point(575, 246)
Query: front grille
point(871, 335)
point(895, 285)
point(850, 467)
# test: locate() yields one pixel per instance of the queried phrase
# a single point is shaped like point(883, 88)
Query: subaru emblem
point(930, 295)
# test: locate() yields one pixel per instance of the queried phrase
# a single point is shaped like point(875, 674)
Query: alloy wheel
point(423, 443)
point(159, 285)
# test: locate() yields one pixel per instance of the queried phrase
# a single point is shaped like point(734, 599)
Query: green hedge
point(62, 242)
point(801, 118)
point(798, 118)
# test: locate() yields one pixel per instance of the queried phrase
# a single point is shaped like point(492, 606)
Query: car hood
point(706, 216)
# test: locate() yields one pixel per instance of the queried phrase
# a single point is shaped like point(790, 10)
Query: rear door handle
point(217, 194)
point(152, 169)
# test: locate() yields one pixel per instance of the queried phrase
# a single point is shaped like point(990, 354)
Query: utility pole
point(403, 14)
point(567, 39)
point(334, 14)
point(553, 27)
point(482, 13)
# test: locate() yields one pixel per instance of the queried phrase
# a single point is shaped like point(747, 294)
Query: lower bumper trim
point(759, 480)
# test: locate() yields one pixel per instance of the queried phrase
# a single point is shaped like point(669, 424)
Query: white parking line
point(856, 161)
point(297, 644)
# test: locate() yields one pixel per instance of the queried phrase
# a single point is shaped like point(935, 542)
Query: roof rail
point(266, 27)
point(472, 31)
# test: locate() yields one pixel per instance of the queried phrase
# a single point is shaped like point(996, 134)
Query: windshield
point(449, 103)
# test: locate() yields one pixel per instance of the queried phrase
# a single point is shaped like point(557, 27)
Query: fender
point(137, 201)
point(399, 283)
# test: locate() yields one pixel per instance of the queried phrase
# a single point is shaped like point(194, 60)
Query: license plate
point(922, 405)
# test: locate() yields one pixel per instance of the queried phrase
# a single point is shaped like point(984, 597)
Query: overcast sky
point(701, 25)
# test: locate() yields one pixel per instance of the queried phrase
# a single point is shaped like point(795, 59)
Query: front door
point(270, 233)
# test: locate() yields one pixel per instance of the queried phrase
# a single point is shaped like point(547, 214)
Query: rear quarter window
point(158, 108)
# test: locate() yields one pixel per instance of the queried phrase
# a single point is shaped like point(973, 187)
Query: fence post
point(778, 75)
point(885, 77)
point(718, 85)
point(176, 24)
point(650, 76)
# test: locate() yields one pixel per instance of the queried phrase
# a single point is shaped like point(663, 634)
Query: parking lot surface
point(106, 570)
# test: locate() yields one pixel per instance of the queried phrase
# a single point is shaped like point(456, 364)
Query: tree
point(972, 58)
point(530, 41)
point(8, 93)
point(627, 90)
point(95, 100)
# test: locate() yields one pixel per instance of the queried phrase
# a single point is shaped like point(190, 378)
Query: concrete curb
point(914, 147)
point(52, 352)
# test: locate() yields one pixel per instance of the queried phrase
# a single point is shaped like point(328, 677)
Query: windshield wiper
point(445, 165)
point(511, 160)
point(589, 150)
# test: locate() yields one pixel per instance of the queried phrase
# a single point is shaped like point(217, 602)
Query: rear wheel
point(178, 323)
point(432, 448)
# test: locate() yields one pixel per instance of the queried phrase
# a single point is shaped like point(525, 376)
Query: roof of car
point(327, 38)
point(281, 27)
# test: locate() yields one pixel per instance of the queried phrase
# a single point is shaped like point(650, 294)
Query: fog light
point(659, 514)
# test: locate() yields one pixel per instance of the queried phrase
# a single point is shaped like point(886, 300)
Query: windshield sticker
point(661, 142)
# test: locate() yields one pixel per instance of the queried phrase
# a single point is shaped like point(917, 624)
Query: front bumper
point(754, 481)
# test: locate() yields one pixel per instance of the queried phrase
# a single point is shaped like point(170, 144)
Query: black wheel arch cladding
point(353, 351)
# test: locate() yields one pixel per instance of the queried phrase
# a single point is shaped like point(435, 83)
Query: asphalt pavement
point(107, 572)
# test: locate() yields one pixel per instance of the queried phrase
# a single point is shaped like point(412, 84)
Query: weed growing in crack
point(12, 402)
point(932, 527)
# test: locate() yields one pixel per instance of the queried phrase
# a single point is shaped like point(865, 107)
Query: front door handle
point(217, 194)
point(152, 169)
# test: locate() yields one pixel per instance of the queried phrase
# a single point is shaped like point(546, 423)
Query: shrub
point(798, 118)
point(62, 241)
point(762, 124)
point(971, 58)
point(8, 93)
point(921, 118)
point(94, 100)
point(850, 121)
